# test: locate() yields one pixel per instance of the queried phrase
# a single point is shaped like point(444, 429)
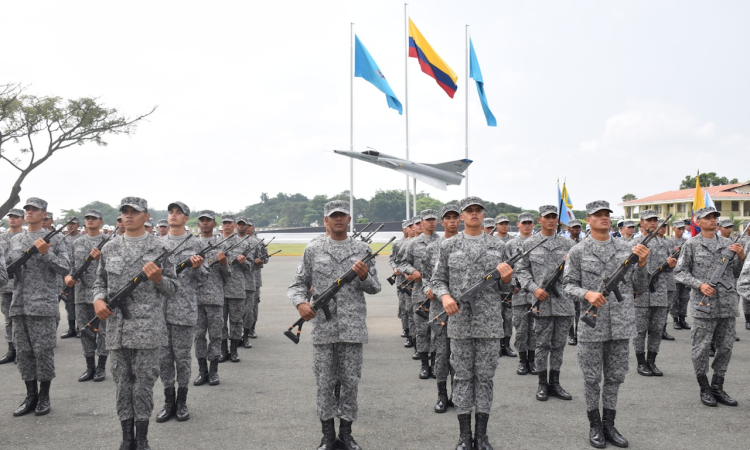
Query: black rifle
point(185, 264)
point(660, 270)
point(78, 274)
point(368, 238)
point(230, 247)
point(14, 268)
point(612, 283)
point(246, 251)
point(705, 305)
point(406, 287)
point(118, 300)
point(424, 309)
point(549, 286)
point(391, 280)
point(277, 251)
point(356, 233)
point(269, 242)
point(320, 302)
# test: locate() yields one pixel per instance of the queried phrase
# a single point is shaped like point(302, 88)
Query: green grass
point(297, 249)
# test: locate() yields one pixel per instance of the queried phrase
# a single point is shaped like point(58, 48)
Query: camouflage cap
point(502, 219)
point(336, 206)
point(207, 213)
point(409, 222)
point(182, 206)
point(93, 213)
point(679, 224)
point(36, 203)
point(649, 214)
point(162, 223)
point(726, 223)
point(16, 212)
point(404, 224)
point(72, 219)
point(428, 214)
point(415, 220)
point(245, 220)
point(488, 223)
point(468, 201)
point(628, 224)
point(228, 218)
point(50, 216)
point(525, 217)
point(708, 210)
point(448, 208)
point(547, 209)
point(597, 205)
point(574, 223)
point(619, 223)
point(136, 203)
point(149, 223)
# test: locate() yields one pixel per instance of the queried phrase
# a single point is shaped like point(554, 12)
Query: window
point(735, 206)
point(680, 207)
point(747, 209)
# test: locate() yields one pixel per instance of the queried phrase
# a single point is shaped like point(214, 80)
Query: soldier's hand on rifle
point(595, 298)
point(42, 246)
point(739, 250)
point(222, 258)
point(241, 259)
point(449, 305)
point(671, 262)
point(396, 272)
point(707, 290)
point(101, 310)
point(361, 270)
point(430, 295)
point(506, 272)
point(153, 272)
point(306, 311)
point(258, 262)
point(642, 251)
point(69, 281)
point(416, 276)
point(196, 261)
point(541, 294)
point(95, 253)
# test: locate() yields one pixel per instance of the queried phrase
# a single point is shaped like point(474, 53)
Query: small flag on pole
point(698, 203)
point(566, 205)
point(476, 74)
point(431, 64)
point(365, 67)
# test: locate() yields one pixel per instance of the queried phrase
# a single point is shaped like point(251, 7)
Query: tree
point(387, 206)
point(43, 126)
point(707, 179)
point(628, 197)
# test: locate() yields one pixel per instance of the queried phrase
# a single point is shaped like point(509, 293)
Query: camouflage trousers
point(91, 347)
point(679, 300)
point(5, 309)
point(248, 315)
point(551, 334)
point(524, 329)
point(210, 321)
point(610, 358)
point(722, 331)
point(403, 313)
point(255, 308)
point(507, 314)
point(441, 344)
point(234, 309)
point(474, 362)
point(175, 356)
point(649, 321)
point(135, 372)
point(746, 306)
point(34, 337)
point(421, 330)
point(576, 317)
point(339, 362)
point(70, 306)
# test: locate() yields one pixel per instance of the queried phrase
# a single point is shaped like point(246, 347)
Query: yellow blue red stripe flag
point(431, 64)
point(566, 205)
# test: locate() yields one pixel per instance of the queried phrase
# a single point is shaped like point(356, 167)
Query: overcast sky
point(615, 96)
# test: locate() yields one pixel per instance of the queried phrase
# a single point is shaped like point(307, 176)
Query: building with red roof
point(730, 199)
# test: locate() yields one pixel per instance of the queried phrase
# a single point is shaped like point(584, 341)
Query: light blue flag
point(365, 67)
point(476, 73)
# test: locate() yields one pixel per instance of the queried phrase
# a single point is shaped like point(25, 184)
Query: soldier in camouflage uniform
point(574, 229)
point(210, 305)
point(34, 310)
point(681, 295)
point(700, 257)
point(603, 349)
point(337, 343)
point(745, 242)
point(85, 247)
point(412, 265)
point(502, 226)
point(474, 340)
point(416, 230)
point(522, 301)
point(181, 315)
point(49, 221)
point(552, 323)
point(70, 304)
point(234, 294)
point(163, 227)
point(488, 225)
point(402, 311)
point(250, 249)
point(743, 281)
point(627, 230)
point(134, 344)
point(261, 260)
point(15, 226)
point(651, 307)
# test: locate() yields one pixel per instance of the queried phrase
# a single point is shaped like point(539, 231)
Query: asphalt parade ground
point(267, 400)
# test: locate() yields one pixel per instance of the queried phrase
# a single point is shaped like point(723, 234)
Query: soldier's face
point(574, 232)
point(228, 227)
point(548, 222)
point(708, 223)
point(338, 222)
point(525, 227)
point(502, 228)
point(242, 228)
point(417, 227)
point(649, 224)
point(72, 227)
point(410, 231)
point(726, 231)
point(163, 230)
point(133, 220)
point(250, 229)
point(488, 230)
point(35, 216)
point(176, 217)
point(678, 232)
point(450, 222)
point(92, 223)
point(473, 216)
point(429, 225)
point(15, 221)
point(406, 232)
point(599, 221)
point(206, 225)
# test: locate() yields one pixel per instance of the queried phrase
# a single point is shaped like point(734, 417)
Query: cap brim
point(177, 205)
point(135, 207)
point(337, 210)
point(600, 209)
point(472, 204)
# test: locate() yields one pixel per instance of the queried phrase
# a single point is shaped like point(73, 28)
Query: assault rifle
point(391, 280)
point(367, 239)
point(185, 264)
point(356, 233)
point(320, 301)
point(549, 286)
point(612, 283)
point(118, 300)
point(705, 304)
point(78, 274)
point(406, 287)
point(424, 309)
point(14, 268)
point(231, 247)
point(246, 251)
point(277, 251)
point(660, 270)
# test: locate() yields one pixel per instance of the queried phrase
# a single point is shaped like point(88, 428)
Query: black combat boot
point(676, 323)
point(532, 363)
point(424, 372)
point(202, 377)
point(224, 351)
point(481, 441)
point(403, 333)
point(502, 347)
point(651, 361)
point(409, 341)
point(666, 336)
point(717, 389)
point(523, 363)
point(10, 356)
point(90, 370)
point(747, 321)
point(643, 368)
point(610, 432)
point(182, 412)
point(442, 403)
point(29, 403)
point(329, 435)
point(213, 373)
point(252, 334)
point(141, 435)
point(506, 349)
point(596, 434)
point(416, 356)
point(128, 434)
point(71, 333)
point(572, 337)
point(686, 326)
point(233, 355)
point(555, 389)
point(43, 405)
point(346, 441)
point(541, 392)
point(169, 406)
point(101, 369)
point(464, 436)
point(707, 395)
point(432, 365)
point(246, 339)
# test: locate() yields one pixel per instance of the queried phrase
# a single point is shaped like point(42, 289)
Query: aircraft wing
point(434, 182)
point(458, 166)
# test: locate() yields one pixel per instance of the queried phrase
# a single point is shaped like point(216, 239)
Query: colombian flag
point(430, 62)
point(698, 203)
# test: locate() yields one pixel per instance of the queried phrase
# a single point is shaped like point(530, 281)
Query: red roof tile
point(716, 192)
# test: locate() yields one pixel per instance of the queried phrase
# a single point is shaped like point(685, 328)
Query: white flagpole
point(466, 93)
point(406, 102)
point(351, 127)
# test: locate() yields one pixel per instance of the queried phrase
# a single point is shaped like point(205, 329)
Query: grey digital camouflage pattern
point(474, 362)
point(91, 347)
point(135, 371)
point(210, 321)
point(608, 358)
point(182, 308)
point(337, 362)
point(174, 358)
point(34, 337)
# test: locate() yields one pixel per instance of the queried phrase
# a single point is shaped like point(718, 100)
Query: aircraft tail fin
point(458, 166)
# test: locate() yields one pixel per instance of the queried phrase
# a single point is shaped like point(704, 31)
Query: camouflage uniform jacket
point(122, 259)
point(247, 269)
point(522, 297)
point(323, 262)
point(505, 239)
point(430, 258)
point(413, 260)
point(35, 292)
point(587, 264)
point(660, 251)
point(463, 260)
point(234, 285)
point(743, 282)
point(211, 288)
point(81, 249)
point(537, 267)
point(674, 242)
point(699, 259)
point(5, 248)
point(183, 308)
point(261, 252)
point(3, 271)
point(393, 260)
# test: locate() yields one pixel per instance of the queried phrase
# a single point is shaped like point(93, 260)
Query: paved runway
point(267, 401)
